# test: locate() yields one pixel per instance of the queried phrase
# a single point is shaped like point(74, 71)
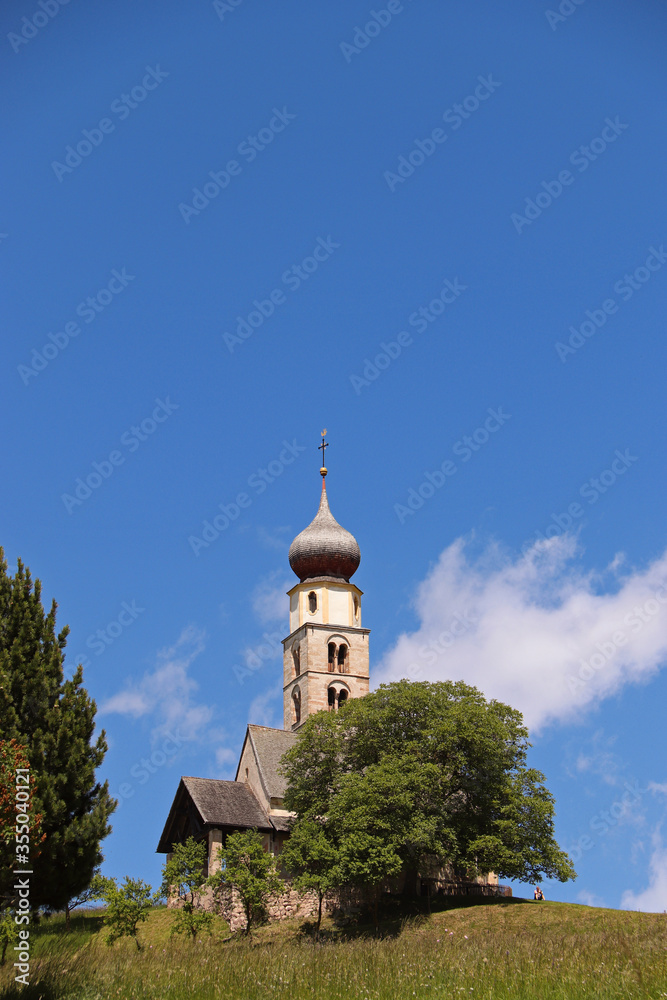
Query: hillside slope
point(496, 950)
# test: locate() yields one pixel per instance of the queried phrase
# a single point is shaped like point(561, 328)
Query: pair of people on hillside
point(538, 894)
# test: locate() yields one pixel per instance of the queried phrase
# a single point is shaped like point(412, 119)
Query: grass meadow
point(495, 949)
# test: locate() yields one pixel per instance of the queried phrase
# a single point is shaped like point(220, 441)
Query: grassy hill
point(489, 951)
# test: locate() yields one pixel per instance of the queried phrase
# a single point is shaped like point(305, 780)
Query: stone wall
point(290, 904)
point(348, 900)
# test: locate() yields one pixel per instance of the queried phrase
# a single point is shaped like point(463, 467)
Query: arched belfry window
point(342, 659)
point(296, 704)
point(296, 656)
point(356, 607)
point(332, 656)
point(336, 698)
point(312, 602)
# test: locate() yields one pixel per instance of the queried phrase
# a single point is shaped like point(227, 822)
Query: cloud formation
point(168, 692)
point(269, 603)
point(535, 630)
point(653, 899)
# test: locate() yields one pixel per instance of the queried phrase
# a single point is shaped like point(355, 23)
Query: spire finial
point(321, 448)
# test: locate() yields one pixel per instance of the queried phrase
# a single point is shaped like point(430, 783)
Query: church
point(325, 662)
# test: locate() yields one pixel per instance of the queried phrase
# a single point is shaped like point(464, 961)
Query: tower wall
point(325, 658)
point(335, 601)
point(315, 676)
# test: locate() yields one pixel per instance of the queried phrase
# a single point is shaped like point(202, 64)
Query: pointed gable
point(201, 804)
point(266, 747)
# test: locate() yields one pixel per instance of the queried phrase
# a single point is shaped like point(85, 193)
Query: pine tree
point(53, 720)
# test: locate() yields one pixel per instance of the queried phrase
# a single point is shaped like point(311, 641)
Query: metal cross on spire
point(321, 448)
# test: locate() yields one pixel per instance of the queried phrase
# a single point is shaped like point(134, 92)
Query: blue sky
point(436, 231)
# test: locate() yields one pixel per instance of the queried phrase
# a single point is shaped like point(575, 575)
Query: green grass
point(490, 951)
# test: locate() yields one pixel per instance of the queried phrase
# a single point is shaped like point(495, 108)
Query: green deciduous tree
point(128, 905)
point(182, 876)
point(314, 861)
point(53, 720)
point(419, 773)
point(248, 868)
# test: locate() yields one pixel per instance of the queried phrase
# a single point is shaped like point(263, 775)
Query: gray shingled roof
point(200, 803)
point(270, 745)
point(226, 803)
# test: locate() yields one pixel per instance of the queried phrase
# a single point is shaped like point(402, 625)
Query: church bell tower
point(325, 658)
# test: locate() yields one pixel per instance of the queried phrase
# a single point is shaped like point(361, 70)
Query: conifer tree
point(53, 721)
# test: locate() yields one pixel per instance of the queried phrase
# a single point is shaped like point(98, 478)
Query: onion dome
point(324, 548)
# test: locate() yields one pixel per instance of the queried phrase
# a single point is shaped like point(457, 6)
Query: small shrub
point(248, 868)
point(182, 875)
point(8, 933)
point(127, 906)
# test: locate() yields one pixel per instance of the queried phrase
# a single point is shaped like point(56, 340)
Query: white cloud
point(226, 759)
point(596, 758)
point(535, 631)
point(266, 708)
point(168, 692)
point(653, 899)
point(275, 539)
point(269, 598)
point(587, 898)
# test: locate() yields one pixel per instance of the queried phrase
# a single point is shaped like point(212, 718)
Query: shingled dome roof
point(324, 548)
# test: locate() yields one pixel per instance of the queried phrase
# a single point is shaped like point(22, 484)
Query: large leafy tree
point(419, 773)
point(53, 721)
